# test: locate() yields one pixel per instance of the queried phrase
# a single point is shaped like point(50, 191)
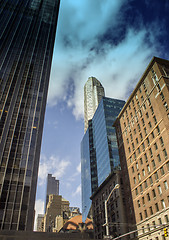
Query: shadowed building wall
point(27, 34)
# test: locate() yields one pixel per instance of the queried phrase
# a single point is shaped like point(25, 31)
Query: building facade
point(57, 213)
point(99, 150)
point(142, 132)
point(27, 34)
point(116, 207)
point(93, 93)
point(52, 187)
point(40, 221)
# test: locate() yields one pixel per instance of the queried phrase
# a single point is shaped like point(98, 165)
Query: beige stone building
point(57, 213)
point(142, 130)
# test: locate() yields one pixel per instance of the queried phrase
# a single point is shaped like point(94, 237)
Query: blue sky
point(112, 40)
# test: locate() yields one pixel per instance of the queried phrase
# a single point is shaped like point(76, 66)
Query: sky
point(112, 40)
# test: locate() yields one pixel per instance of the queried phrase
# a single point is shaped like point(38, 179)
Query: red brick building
point(142, 130)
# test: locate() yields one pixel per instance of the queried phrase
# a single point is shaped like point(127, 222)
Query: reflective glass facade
point(27, 33)
point(99, 150)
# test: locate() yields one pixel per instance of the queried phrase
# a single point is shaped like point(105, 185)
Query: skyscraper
point(99, 150)
point(27, 34)
point(93, 93)
point(52, 187)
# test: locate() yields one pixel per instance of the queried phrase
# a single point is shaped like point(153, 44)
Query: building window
point(156, 175)
point(141, 161)
point(145, 131)
point(148, 142)
point(158, 130)
point(147, 115)
point(141, 217)
point(138, 203)
point(145, 184)
point(154, 223)
point(154, 193)
point(165, 153)
point(133, 169)
point(143, 201)
point(166, 219)
point(148, 168)
point(134, 180)
point(143, 146)
point(148, 197)
point(153, 164)
point(166, 185)
point(155, 146)
point(139, 177)
point(127, 140)
point(161, 141)
point(141, 188)
point(143, 171)
point(143, 121)
point(136, 190)
point(157, 208)
point(162, 171)
point(141, 136)
point(148, 227)
point(149, 124)
point(145, 212)
point(152, 110)
point(167, 165)
point(137, 165)
point(137, 140)
point(151, 153)
point(151, 180)
point(163, 203)
point(152, 134)
point(159, 189)
point(151, 210)
point(162, 96)
point(133, 146)
point(145, 155)
point(155, 120)
point(159, 158)
point(166, 106)
point(138, 127)
point(160, 221)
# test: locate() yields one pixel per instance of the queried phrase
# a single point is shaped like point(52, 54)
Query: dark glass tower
point(99, 150)
point(27, 33)
point(52, 188)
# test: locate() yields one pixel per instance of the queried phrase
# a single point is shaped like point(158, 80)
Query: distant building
point(93, 93)
point(74, 211)
point(27, 35)
point(143, 138)
point(40, 222)
point(116, 207)
point(52, 188)
point(57, 213)
point(99, 150)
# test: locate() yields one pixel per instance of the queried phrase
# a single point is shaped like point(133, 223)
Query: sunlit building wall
point(142, 132)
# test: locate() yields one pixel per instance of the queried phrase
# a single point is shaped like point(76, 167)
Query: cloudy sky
point(112, 40)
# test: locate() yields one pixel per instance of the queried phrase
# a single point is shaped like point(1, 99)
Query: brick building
point(142, 130)
point(118, 224)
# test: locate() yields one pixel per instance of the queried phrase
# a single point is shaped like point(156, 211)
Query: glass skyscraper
point(93, 93)
point(99, 150)
point(27, 33)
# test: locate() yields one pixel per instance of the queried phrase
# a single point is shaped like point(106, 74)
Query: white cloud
point(39, 209)
point(54, 165)
point(78, 191)
point(78, 53)
point(79, 168)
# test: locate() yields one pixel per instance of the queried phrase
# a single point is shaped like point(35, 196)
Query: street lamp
point(106, 215)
